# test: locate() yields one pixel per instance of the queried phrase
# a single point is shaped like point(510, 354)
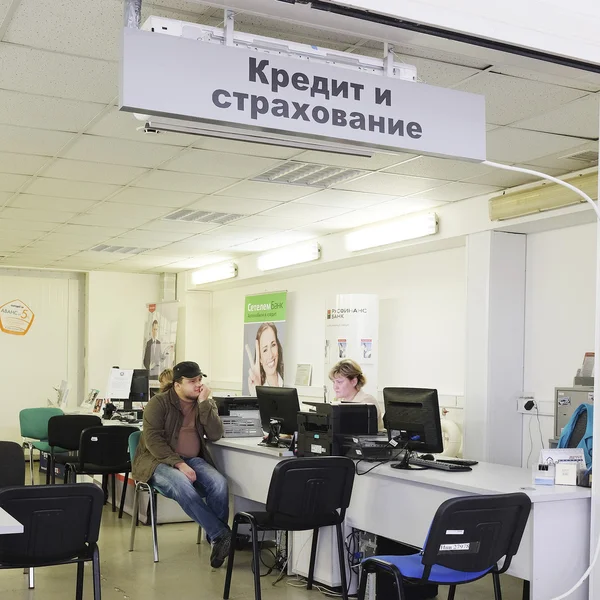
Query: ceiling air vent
point(587, 156)
point(202, 216)
point(299, 173)
point(117, 249)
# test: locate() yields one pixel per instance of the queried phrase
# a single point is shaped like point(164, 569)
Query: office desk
point(9, 524)
point(399, 505)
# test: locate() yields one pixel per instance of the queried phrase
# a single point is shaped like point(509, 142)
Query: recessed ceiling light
point(117, 249)
point(299, 173)
point(202, 216)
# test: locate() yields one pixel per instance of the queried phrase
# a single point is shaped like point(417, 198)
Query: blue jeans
point(206, 500)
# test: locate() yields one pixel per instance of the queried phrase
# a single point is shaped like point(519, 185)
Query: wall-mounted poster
point(16, 318)
point(160, 337)
point(264, 335)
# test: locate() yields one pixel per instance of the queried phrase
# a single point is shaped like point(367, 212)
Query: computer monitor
point(139, 390)
point(412, 418)
point(278, 403)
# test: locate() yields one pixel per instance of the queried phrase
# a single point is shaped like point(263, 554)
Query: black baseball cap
point(187, 369)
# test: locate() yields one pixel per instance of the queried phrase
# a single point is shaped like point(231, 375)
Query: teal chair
point(140, 486)
point(34, 430)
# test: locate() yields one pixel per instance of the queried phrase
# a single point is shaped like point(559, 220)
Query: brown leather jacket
point(162, 422)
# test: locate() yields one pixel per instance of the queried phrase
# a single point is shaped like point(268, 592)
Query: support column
point(496, 263)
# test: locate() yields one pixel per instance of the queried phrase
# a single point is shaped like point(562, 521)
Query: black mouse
point(427, 457)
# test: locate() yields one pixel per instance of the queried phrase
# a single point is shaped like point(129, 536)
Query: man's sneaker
point(220, 550)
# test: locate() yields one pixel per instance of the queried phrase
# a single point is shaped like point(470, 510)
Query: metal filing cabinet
point(566, 401)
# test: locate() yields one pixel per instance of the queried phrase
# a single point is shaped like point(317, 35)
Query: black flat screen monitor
point(412, 417)
point(278, 403)
point(139, 390)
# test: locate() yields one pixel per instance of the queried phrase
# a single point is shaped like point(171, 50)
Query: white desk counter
point(9, 524)
point(400, 505)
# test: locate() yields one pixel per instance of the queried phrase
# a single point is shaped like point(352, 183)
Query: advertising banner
point(264, 341)
point(160, 337)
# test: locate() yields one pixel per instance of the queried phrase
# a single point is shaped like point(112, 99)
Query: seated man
point(172, 454)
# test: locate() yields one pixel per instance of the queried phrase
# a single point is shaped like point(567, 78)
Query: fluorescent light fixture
point(547, 196)
point(392, 232)
point(289, 255)
point(214, 273)
point(161, 124)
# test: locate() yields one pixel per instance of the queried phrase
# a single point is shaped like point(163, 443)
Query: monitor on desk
point(278, 403)
point(412, 418)
point(139, 390)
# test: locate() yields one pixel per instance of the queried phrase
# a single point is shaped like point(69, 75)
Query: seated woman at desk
point(348, 381)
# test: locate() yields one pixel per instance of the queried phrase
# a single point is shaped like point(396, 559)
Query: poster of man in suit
point(160, 337)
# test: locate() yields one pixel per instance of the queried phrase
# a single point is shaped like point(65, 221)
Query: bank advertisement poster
point(160, 337)
point(352, 332)
point(264, 341)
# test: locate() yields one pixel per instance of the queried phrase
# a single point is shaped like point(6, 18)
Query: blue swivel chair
point(467, 538)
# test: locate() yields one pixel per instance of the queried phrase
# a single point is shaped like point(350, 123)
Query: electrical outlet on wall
point(526, 403)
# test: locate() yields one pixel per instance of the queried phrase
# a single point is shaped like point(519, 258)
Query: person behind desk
point(172, 454)
point(348, 381)
point(165, 380)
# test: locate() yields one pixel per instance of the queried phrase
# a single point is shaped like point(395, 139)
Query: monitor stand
point(404, 464)
point(272, 439)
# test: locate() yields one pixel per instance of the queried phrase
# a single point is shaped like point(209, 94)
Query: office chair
point(103, 451)
point(61, 526)
point(467, 538)
point(64, 433)
point(304, 494)
point(141, 486)
point(12, 464)
point(34, 431)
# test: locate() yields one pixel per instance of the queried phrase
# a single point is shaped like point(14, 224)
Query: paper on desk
point(563, 455)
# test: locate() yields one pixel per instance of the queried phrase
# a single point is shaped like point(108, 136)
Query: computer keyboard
point(458, 461)
point(435, 464)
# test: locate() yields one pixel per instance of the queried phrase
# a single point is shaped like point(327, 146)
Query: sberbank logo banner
point(265, 307)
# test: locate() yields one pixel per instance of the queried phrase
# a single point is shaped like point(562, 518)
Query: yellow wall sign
point(16, 317)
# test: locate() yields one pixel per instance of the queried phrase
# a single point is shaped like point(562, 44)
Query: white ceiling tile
point(400, 207)
point(554, 78)
point(16, 236)
point(110, 220)
point(61, 75)
point(158, 237)
point(457, 191)
point(248, 148)
point(392, 185)
point(240, 206)
point(45, 186)
point(120, 152)
point(270, 224)
point(22, 164)
point(18, 260)
point(268, 191)
point(81, 170)
point(235, 234)
point(118, 209)
point(509, 99)
point(441, 73)
point(48, 216)
point(10, 182)
point(202, 261)
point(344, 199)
point(123, 125)
point(72, 205)
point(44, 112)
point(374, 163)
point(179, 227)
point(578, 118)
point(348, 220)
point(518, 145)
point(146, 197)
point(183, 182)
point(55, 243)
point(87, 231)
point(276, 240)
point(558, 160)
point(33, 226)
point(295, 210)
point(508, 179)
point(204, 162)
point(25, 140)
point(4, 196)
point(439, 168)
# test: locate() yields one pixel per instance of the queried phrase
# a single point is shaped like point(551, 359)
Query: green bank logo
point(265, 307)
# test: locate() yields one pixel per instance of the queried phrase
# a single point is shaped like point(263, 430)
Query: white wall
point(422, 321)
point(115, 318)
point(559, 319)
point(33, 364)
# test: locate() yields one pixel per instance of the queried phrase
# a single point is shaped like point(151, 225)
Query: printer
point(239, 415)
point(324, 431)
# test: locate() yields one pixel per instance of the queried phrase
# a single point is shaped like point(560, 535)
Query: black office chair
point(467, 539)
point(61, 526)
point(12, 464)
point(304, 494)
point(64, 431)
point(103, 451)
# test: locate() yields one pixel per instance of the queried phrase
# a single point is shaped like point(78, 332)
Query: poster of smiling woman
point(264, 335)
